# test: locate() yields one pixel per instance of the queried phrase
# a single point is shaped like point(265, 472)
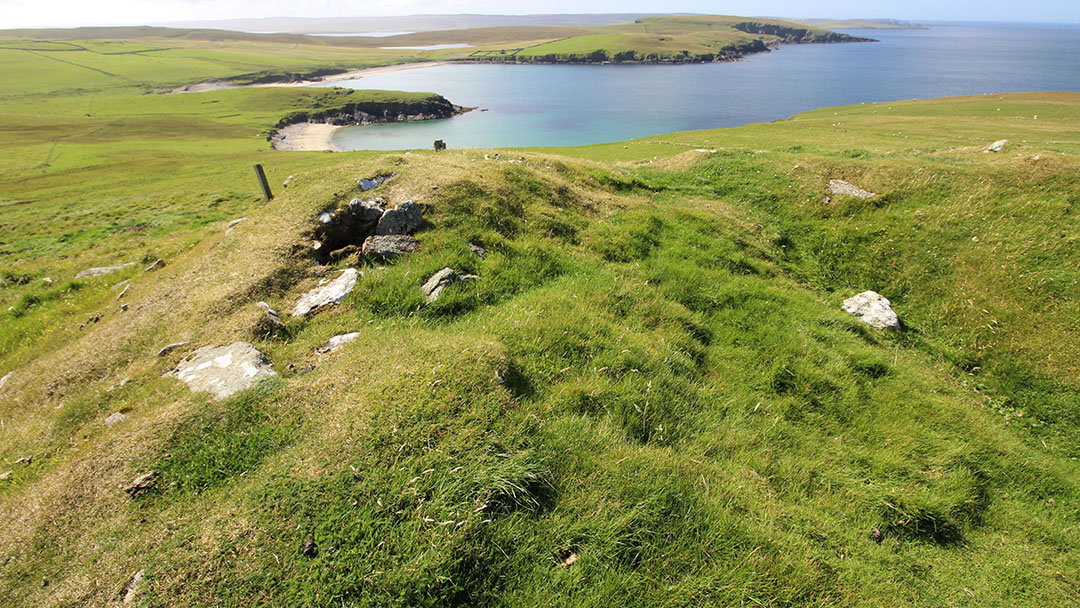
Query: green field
point(650, 396)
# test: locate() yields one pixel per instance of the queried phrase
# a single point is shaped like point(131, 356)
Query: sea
point(567, 105)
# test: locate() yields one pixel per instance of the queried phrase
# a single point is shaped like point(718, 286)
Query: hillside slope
point(649, 395)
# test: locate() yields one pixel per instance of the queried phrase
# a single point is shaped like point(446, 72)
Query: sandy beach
point(219, 85)
point(305, 137)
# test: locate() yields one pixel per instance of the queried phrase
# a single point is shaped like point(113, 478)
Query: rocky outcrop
point(327, 295)
point(223, 370)
point(91, 273)
point(796, 35)
point(385, 247)
point(406, 218)
point(373, 112)
point(841, 188)
point(873, 309)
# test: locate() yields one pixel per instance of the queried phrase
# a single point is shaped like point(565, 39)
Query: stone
point(373, 182)
point(4, 476)
point(5, 378)
point(337, 343)
point(389, 245)
point(327, 295)
point(271, 315)
point(478, 250)
point(873, 309)
point(406, 218)
point(115, 417)
point(142, 483)
point(168, 348)
point(367, 211)
point(91, 273)
point(133, 587)
point(998, 145)
point(235, 222)
point(49, 281)
point(288, 180)
point(124, 291)
point(121, 285)
point(223, 370)
point(434, 286)
point(841, 188)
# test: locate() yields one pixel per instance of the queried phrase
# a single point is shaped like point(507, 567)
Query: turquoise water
point(573, 105)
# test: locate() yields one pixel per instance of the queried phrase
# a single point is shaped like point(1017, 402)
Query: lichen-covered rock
point(406, 218)
point(438, 282)
point(873, 309)
point(91, 273)
point(841, 188)
point(389, 246)
point(327, 295)
point(224, 370)
point(368, 211)
point(336, 343)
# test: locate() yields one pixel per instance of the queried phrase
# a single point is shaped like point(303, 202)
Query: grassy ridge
point(650, 397)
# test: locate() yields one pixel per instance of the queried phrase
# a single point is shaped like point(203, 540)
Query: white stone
point(115, 418)
point(438, 282)
point(998, 145)
point(841, 188)
point(327, 295)
point(873, 309)
point(91, 273)
point(223, 370)
point(336, 343)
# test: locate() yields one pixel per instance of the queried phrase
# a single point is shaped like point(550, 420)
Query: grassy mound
point(650, 396)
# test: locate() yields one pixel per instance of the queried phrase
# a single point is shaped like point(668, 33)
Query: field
point(649, 397)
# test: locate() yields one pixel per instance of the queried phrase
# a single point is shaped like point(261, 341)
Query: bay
point(562, 105)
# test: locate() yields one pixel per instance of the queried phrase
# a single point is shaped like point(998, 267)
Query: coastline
point(305, 137)
point(220, 85)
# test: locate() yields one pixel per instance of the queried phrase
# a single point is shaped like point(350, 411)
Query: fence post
point(262, 182)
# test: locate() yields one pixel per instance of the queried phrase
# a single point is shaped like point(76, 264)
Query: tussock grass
point(649, 397)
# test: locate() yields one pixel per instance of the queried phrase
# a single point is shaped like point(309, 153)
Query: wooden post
point(262, 182)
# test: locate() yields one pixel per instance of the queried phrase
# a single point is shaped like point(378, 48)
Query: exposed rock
point(133, 587)
point(368, 211)
point(118, 385)
point(373, 182)
point(5, 378)
point(478, 250)
point(841, 188)
point(124, 307)
point(389, 246)
point(5, 475)
point(271, 315)
point(438, 282)
point(124, 291)
point(158, 263)
point(142, 483)
point(115, 418)
point(168, 348)
point(336, 343)
point(406, 218)
point(288, 180)
point(873, 309)
point(326, 295)
point(91, 273)
point(90, 321)
point(344, 252)
point(223, 370)
point(998, 145)
point(49, 281)
point(121, 285)
point(235, 222)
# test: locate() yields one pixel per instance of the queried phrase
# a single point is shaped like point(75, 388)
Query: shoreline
point(306, 137)
point(221, 85)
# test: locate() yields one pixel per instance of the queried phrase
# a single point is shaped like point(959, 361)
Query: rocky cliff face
point(366, 113)
point(796, 35)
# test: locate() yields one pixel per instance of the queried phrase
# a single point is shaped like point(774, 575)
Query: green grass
point(651, 396)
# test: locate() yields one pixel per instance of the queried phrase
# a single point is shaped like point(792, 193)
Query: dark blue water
point(572, 105)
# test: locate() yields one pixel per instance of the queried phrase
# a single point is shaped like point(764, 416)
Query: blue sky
point(38, 13)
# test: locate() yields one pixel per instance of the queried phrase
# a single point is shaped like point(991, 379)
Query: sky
point(66, 13)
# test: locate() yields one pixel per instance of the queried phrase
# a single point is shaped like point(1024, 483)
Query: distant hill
point(410, 23)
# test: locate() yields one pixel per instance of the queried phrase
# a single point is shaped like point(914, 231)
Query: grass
point(651, 396)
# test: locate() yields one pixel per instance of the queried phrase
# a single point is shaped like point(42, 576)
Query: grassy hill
point(650, 396)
